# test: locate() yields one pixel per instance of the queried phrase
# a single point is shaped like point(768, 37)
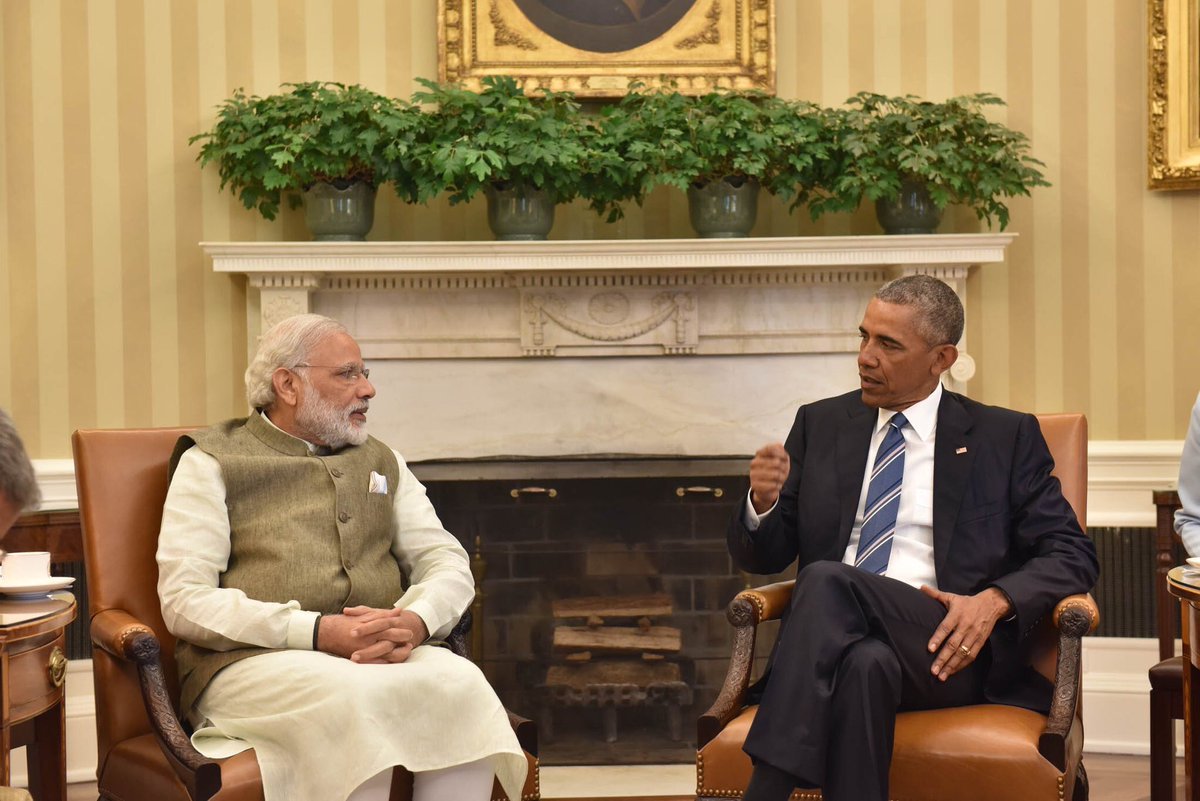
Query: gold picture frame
point(1174, 102)
point(694, 45)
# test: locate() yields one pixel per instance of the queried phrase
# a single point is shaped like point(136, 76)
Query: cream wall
point(109, 316)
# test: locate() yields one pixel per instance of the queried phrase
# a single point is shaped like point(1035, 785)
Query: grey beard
point(327, 422)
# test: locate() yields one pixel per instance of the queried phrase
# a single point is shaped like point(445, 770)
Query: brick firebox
point(554, 529)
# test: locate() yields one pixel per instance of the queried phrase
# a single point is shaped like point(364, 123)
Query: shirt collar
point(311, 447)
point(922, 415)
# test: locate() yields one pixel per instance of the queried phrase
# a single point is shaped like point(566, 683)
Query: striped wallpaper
point(109, 316)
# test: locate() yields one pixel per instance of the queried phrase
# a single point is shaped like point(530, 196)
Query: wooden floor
point(1114, 778)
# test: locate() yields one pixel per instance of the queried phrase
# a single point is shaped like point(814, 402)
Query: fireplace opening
point(603, 587)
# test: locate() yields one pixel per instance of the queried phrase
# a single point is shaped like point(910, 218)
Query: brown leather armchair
point(987, 752)
point(144, 751)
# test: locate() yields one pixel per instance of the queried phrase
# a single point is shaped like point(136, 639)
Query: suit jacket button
point(336, 473)
point(344, 517)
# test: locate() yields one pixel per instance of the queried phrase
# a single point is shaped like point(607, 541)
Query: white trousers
point(469, 782)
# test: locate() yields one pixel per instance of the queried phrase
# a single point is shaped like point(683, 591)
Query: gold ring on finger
point(965, 651)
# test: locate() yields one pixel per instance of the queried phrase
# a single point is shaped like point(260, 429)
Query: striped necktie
point(883, 501)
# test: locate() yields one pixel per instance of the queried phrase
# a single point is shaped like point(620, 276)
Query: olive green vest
point(303, 527)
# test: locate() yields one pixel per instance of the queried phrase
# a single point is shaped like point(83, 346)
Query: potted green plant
point(524, 153)
point(914, 157)
point(720, 148)
point(322, 140)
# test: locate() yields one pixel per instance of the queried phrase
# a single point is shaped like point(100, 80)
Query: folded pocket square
point(378, 484)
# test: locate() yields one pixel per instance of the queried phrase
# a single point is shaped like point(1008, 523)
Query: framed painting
point(595, 48)
point(1174, 70)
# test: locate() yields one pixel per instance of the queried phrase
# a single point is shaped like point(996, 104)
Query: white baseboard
point(1116, 706)
point(1116, 695)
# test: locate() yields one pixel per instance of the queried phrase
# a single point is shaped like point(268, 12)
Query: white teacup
point(22, 566)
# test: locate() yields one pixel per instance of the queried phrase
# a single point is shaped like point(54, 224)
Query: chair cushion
point(1168, 675)
point(986, 752)
point(137, 769)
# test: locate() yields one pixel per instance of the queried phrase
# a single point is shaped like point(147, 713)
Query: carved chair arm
point(1075, 616)
point(125, 637)
point(745, 612)
point(770, 600)
point(526, 731)
point(114, 629)
point(1084, 603)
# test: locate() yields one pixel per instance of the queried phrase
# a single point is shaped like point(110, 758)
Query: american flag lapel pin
point(961, 450)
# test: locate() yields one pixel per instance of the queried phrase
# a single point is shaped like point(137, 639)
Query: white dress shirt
point(911, 560)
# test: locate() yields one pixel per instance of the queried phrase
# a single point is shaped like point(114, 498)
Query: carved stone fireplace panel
point(684, 406)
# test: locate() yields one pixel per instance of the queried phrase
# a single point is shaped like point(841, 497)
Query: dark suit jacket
point(999, 517)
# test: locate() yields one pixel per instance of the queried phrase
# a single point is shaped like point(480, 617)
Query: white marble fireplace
point(651, 347)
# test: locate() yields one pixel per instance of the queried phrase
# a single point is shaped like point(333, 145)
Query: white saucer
point(1194, 562)
point(34, 588)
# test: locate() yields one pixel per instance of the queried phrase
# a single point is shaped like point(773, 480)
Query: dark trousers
point(851, 654)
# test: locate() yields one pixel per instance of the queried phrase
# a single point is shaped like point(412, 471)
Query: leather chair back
point(1066, 436)
point(122, 480)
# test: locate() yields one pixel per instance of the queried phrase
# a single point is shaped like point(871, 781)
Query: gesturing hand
point(368, 635)
point(965, 629)
point(768, 471)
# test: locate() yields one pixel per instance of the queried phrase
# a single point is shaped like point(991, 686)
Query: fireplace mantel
point(482, 349)
point(592, 255)
point(487, 299)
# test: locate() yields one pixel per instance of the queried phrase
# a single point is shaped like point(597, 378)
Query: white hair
point(287, 345)
point(18, 482)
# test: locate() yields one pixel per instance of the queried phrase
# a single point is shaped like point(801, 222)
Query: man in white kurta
point(248, 560)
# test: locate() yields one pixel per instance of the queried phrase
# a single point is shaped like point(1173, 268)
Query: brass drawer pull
point(57, 666)
point(550, 492)
point(716, 492)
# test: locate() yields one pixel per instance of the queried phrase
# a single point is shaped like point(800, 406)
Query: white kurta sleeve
point(193, 551)
point(441, 586)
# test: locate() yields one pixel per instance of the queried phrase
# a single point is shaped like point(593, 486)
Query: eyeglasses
point(346, 373)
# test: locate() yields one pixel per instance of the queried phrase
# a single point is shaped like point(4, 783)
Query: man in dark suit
point(930, 538)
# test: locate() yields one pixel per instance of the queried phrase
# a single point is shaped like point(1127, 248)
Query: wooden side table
point(33, 669)
point(1184, 584)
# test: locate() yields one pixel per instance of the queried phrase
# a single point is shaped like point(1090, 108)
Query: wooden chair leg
point(1162, 747)
point(1082, 788)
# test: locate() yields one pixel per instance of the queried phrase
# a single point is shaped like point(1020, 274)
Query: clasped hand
point(371, 636)
point(965, 629)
